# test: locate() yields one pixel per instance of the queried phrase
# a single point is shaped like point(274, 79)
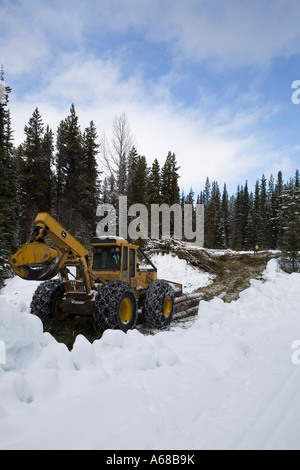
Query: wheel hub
point(167, 306)
point(126, 310)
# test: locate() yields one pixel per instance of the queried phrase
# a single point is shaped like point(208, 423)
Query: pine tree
point(224, 220)
point(290, 223)
point(87, 205)
point(237, 235)
point(49, 177)
point(69, 168)
point(206, 193)
point(273, 228)
point(213, 237)
point(170, 191)
point(8, 182)
point(245, 207)
point(132, 186)
point(256, 214)
point(154, 184)
point(263, 240)
point(35, 176)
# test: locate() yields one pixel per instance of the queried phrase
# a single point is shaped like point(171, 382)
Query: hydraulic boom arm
point(38, 260)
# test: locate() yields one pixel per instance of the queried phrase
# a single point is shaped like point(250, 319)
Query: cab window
point(107, 258)
point(125, 258)
point(132, 262)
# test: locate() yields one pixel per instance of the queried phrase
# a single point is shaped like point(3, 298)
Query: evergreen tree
point(49, 176)
point(70, 171)
point(170, 192)
point(272, 209)
point(256, 214)
point(224, 219)
point(154, 184)
point(190, 198)
point(206, 193)
point(200, 198)
point(87, 205)
point(8, 181)
point(263, 240)
point(108, 192)
point(297, 180)
point(250, 232)
point(137, 192)
point(212, 229)
point(35, 175)
point(290, 223)
point(132, 180)
point(237, 235)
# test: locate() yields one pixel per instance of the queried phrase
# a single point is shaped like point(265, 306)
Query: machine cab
point(115, 259)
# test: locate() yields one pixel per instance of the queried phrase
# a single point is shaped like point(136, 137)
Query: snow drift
point(227, 382)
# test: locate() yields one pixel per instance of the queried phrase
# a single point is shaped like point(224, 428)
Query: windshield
point(107, 258)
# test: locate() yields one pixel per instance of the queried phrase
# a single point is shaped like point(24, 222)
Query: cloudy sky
point(210, 80)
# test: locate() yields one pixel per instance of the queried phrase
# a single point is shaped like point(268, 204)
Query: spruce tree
point(48, 162)
point(212, 228)
point(273, 223)
point(290, 223)
point(224, 218)
point(87, 205)
point(69, 168)
point(154, 184)
point(132, 183)
point(170, 191)
point(35, 175)
point(237, 235)
point(206, 193)
point(263, 240)
point(8, 182)
point(256, 214)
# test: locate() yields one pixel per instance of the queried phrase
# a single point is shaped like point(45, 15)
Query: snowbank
point(227, 382)
point(172, 268)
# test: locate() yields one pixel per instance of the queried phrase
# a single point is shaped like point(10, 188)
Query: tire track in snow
point(279, 421)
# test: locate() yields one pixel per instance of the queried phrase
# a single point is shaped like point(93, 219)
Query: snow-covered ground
point(172, 268)
point(230, 381)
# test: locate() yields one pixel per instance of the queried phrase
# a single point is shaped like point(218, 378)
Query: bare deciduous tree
point(114, 154)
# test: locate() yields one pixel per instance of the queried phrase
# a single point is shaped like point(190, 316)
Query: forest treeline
point(69, 174)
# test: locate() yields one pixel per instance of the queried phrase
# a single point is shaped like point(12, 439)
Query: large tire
point(46, 301)
point(159, 305)
point(115, 307)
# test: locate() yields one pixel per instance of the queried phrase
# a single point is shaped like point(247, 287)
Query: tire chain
point(154, 304)
point(106, 313)
point(42, 304)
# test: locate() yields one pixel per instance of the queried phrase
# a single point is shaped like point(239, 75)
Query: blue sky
point(210, 80)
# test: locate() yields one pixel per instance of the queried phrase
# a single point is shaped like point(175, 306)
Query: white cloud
point(223, 147)
point(45, 40)
point(223, 32)
point(237, 33)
